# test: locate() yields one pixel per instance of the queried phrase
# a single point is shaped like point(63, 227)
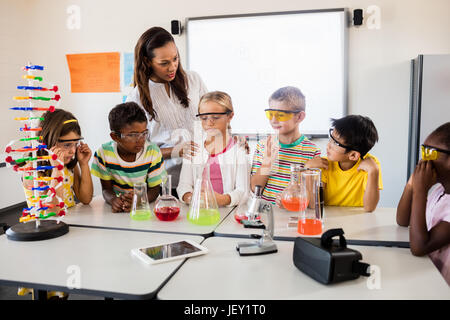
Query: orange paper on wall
point(94, 72)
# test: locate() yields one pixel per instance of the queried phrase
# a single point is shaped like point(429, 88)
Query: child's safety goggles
point(431, 153)
point(280, 115)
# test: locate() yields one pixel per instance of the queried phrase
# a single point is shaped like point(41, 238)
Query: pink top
point(438, 209)
point(215, 175)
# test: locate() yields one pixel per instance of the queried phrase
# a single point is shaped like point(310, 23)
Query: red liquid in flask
point(167, 213)
point(294, 204)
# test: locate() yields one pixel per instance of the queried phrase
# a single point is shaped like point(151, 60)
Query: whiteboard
point(251, 56)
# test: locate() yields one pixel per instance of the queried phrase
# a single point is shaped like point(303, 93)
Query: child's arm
point(317, 162)
point(404, 205)
point(82, 185)
point(153, 193)
point(372, 193)
point(269, 156)
point(421, 240)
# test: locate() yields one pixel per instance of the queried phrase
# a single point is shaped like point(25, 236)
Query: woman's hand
point(187, 149)
point(84, 153)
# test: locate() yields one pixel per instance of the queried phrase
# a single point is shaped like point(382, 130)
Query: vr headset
point(326, 261)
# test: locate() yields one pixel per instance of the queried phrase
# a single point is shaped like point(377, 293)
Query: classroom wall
point(378, 78)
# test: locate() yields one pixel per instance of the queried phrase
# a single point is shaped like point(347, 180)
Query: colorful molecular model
point(24, 154)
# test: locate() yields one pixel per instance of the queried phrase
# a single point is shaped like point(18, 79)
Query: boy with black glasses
point(350, 175)
point(128, 159)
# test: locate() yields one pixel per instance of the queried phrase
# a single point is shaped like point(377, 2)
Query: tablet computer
point(169, 251)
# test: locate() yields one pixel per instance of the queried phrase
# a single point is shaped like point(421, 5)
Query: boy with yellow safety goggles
point(431, 153)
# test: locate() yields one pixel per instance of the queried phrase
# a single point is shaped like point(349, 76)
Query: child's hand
point(127, 201)
point(242, 143)
point(83, 153)
point(424, 176)
point(368, 165)
point(317, 162)
point(271, 150)
point(187, 197)
point(117, 205)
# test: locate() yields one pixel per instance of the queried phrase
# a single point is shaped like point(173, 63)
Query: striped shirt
point(148, 167)
point(297, 152)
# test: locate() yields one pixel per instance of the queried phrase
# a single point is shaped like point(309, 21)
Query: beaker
point(167, 207)
point(141, 208)
point(203, 209)
point(294, 197)
point(310, 222)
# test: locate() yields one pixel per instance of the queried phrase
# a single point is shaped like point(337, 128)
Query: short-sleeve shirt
point(346, 188)
point(297, 152)
point(148, 167)
point(438, 210)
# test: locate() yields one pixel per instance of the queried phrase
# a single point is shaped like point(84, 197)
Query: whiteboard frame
point(347, 21)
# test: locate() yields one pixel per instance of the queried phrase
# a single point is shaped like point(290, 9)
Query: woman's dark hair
point(53, 127)
point(125, 114)
point(358, 132)
point(150, 40)
point(443, 134)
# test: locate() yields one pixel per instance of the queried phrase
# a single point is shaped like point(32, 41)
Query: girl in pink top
point(425, 202)
point(225, 157)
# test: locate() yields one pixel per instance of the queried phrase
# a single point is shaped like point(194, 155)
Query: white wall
point(379, 60)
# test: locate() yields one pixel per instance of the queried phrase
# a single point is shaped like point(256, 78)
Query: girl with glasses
point(61, 133)
point(219, 153)
point(425, 202)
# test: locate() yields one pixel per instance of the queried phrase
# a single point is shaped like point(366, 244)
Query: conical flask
point(294, 197)
point(310, 222)
point(140, 209)
point(167, 207)
point(203, 209)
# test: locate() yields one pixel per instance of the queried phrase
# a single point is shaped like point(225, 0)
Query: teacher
point(169, 95)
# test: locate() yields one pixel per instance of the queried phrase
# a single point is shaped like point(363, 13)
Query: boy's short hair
point(125, 114)
point(292, 96)
point(443, 134)
point(358, 132)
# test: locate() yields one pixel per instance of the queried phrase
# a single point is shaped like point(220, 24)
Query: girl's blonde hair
point(219, 97)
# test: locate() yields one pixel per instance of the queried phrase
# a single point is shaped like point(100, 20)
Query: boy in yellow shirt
point(350, 175)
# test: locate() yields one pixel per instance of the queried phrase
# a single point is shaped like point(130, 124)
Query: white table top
point(274, 276)
point(99, 214)
point(106, 266)
point(360, 227)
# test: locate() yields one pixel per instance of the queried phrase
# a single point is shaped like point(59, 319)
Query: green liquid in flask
point(206, 217)
point(141, 215)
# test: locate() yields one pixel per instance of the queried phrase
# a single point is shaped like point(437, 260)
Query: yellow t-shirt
point(346, 188)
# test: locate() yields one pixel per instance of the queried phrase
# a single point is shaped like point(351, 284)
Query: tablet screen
point(169, 250)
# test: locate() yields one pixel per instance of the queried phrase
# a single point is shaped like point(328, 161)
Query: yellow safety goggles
point(431, 153)
point(280, 115)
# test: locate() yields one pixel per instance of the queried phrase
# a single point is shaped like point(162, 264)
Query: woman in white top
point(169, 95)
point(219, 153)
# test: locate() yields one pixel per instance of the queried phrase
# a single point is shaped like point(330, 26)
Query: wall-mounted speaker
point(357, 17)
point(175, 26)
